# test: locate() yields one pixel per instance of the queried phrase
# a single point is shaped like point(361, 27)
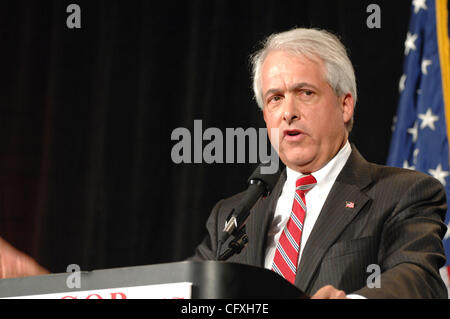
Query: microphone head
point(268, 179)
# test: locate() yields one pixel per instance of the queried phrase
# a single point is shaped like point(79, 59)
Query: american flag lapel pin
point(349, 204)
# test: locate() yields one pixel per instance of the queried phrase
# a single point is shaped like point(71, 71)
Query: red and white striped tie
point(286, 256)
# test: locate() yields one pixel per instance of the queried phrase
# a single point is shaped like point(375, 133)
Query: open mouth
point(292, 132)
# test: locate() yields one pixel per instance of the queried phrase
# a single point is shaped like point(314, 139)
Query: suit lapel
point(343, 203)
point(258, 223)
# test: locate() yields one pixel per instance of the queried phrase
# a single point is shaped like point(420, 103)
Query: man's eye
point(275, 98)
point(306, 95)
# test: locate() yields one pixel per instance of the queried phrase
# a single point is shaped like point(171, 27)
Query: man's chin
point(302, 165)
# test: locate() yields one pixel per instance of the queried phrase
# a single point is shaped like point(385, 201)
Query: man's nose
point(290, 111)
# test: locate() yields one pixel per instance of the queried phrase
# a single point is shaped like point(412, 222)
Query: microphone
point(259, 185)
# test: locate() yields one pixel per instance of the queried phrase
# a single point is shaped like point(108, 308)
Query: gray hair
point(313, 44)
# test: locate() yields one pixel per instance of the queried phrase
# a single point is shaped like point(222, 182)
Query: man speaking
point(332, 215)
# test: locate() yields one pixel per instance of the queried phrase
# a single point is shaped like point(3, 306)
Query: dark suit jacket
point(396, 223)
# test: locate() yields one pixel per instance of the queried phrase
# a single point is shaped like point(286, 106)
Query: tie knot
point(305, 183)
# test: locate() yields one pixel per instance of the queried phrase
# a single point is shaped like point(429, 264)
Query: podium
point(197, 280)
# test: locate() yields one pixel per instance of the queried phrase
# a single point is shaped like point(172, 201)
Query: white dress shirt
point(315, 198)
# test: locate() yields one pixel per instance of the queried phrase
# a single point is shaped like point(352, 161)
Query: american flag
point(422, 124)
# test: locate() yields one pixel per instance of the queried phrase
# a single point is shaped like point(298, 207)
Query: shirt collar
point(327, 173)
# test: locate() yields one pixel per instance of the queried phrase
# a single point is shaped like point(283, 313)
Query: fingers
point(329, 292)
point(14, 263)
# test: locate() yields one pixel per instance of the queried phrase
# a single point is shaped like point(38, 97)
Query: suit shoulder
point(398, 177)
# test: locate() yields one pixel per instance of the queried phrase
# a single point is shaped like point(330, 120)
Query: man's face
point(302, 105)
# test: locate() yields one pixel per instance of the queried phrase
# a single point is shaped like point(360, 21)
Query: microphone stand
point(235, 246)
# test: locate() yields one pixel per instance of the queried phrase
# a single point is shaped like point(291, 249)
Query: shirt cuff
point(354, 296)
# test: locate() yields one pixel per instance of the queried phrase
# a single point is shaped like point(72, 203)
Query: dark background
point(86, 115)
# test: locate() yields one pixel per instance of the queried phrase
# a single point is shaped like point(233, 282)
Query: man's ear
point(347, 106)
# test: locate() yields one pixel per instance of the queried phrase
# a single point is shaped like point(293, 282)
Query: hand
point(329, 292)
point(14, 263)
